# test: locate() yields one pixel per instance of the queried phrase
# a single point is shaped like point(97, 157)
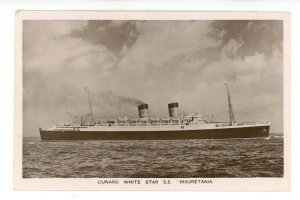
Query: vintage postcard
point(152, 101)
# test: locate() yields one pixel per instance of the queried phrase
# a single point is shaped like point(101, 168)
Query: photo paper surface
point(152, 101)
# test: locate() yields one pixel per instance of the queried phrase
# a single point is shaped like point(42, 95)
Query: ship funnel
point(173, 110)
point(143, 111)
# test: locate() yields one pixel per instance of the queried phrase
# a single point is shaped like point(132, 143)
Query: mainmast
point(231, 115)
point(87, 90)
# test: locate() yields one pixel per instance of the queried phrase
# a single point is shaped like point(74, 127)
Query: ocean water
point(153, 159)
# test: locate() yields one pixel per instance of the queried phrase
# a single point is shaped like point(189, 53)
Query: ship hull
point(226, 133)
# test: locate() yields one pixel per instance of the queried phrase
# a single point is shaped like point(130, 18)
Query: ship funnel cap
point(142, 106)
point(173, 105)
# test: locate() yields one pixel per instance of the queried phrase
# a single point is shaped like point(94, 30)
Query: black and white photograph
point(152, 102)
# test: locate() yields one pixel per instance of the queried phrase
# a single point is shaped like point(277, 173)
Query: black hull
point(242, 132)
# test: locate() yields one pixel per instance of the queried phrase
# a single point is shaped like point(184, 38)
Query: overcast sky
point(124, 63)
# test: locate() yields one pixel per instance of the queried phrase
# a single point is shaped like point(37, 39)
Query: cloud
point(228, 69)
point(257, 35)
point(151, 83)
point(231, 48)
point(35, 29)
point(162, 41)
point(49, 47)
point(116, 36)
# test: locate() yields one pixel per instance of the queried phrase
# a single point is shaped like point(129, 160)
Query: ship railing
point(61, 124)
point(145, 122)
point(219, 124)
point(142, 123)
point(139, 122)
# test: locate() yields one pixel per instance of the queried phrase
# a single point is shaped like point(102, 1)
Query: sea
point(241, 158)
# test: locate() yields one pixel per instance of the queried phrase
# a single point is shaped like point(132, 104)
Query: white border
point(220, 184)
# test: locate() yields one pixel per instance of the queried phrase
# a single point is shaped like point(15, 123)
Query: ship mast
point(231, 115)
point(87, 90)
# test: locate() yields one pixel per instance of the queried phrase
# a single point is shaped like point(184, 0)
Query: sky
point(125, 63)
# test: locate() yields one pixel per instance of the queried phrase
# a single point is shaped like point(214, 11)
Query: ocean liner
point(175, 127)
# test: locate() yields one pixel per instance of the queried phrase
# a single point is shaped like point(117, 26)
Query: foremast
point(231, 114)
point(91, 111)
